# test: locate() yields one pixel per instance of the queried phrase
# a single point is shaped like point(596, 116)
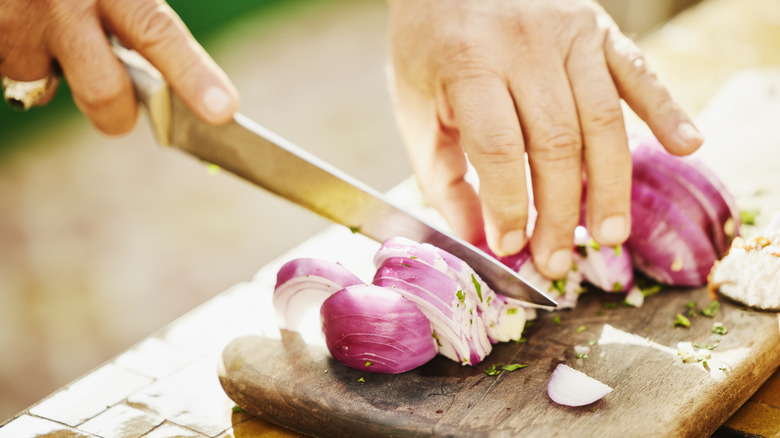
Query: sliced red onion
point(665, 243)
point(606, 267)
point(565, 291)
point(570, 387)
point(301, 287)
point(374, 329)
point(452, 311)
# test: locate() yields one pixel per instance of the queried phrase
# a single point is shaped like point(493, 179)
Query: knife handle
point(151, 90)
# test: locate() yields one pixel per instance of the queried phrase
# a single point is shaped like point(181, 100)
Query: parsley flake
point(369, 363)
point(557, 319)
point(711, 310)
point(719, 329)
point(461, 296)
point(362, 380)
point(354, 230)
point(511, 310)
point(513, 367)
point(681, 321)
point(581, 329)
point(477, 286)
point(238, 409)
point(582, 356)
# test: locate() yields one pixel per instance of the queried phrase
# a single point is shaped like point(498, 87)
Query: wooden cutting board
point(281, 379)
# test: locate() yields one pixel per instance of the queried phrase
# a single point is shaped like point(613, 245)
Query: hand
point(34, 33)
point(500, 79)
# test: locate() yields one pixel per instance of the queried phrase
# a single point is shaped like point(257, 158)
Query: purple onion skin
point(664, 242)
point(318, 268)
point(373, 329)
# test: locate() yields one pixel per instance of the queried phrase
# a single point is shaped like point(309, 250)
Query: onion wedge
point(570, 387)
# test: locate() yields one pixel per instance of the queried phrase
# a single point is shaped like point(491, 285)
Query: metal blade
point(254, 153)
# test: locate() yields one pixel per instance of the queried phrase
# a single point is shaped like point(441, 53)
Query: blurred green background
point(204, 18)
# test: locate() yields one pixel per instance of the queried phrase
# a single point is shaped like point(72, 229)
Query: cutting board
point(282, 379)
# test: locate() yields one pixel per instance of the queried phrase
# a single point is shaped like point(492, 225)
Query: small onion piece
point(374, 329)
point(301, 287)
point(570, 387)
point(609, 268)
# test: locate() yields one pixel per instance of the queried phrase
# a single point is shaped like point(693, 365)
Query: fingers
point(491, 136)
point(606, 154)
point(153, 29)
point(438, 162)
point(648, 97)
point(552, 132)
point(100, 86)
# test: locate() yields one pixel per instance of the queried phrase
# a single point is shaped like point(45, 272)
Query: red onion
point(301, 287)
point(570, 387)
point(606, 267)
point(374, 329)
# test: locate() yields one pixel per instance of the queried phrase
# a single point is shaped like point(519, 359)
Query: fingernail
point(217, 102)
point(513, 242)
point(559, 263)
point(612, 230)
point(689, 135)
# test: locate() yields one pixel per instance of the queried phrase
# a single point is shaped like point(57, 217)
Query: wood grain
point(301, 387)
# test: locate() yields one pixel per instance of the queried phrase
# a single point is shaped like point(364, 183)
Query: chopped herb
point(681, 321)
point(557, 319)
point(354, 230)
point(493, 371)
point(748, 217)
point(528, 324)
point(595, 245)
point(582, 356)
point(558, 285)
point(582, 250)
point(593, 409)
point(407, 265)
point(513, 367)
point(719, 329)
point(413, 257)
point(369, 363)
point(691, 306)
point(362, 380)
point(213, 169)
point(522, 340)
point(438, 341)
point(651, 290)
point(610, 305)
point(511, 310)
point(711, 310)
point(489, 300)
point(238, 409)
point(617, 287)
point(707, 346)
point(581, 329)
point(477, 286)
point(461, 296)
point(618, 250)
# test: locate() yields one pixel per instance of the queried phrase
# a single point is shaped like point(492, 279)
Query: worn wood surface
point(301, 387)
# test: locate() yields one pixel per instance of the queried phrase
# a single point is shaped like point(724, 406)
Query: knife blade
point(259, 156)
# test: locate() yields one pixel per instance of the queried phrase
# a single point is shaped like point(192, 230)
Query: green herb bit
point(558, 285)
point(719, 329)
point(511, 310)
point(557, 319)
point(354, 230)
point(522, 340)
point(513, 367)
point(238, 409)
point(438, 341)
point(618, 250)
point(595, 245)
point(617, 287)
point(609, 305)
point(407, 265)
point(477, 286)
point(528, 324)
point(581, 329)
point(213, 169)
point(461, 296)
point(711, 310)
point(582, 356)
point(362, 380)
point(582, 250)
point(369, 363)
point(493, 371)
point(681, 321)
point(748, 217)
point(651, 290)
point(412, 257)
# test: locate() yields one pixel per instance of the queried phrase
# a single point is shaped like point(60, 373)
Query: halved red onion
point(301, 287)
point(693, 187)
point(377, 330)
point(570, 387)
point(606, 267)
point(665, 243)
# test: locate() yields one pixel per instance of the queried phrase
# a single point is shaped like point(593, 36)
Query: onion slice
point(374, 329)
point(570, 387)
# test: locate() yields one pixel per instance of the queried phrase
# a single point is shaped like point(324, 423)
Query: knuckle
point(605, 114)
point(155, 27)
point(560, 144)
point(103, 92)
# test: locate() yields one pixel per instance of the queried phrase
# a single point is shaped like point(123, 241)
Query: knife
point(259, 156)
